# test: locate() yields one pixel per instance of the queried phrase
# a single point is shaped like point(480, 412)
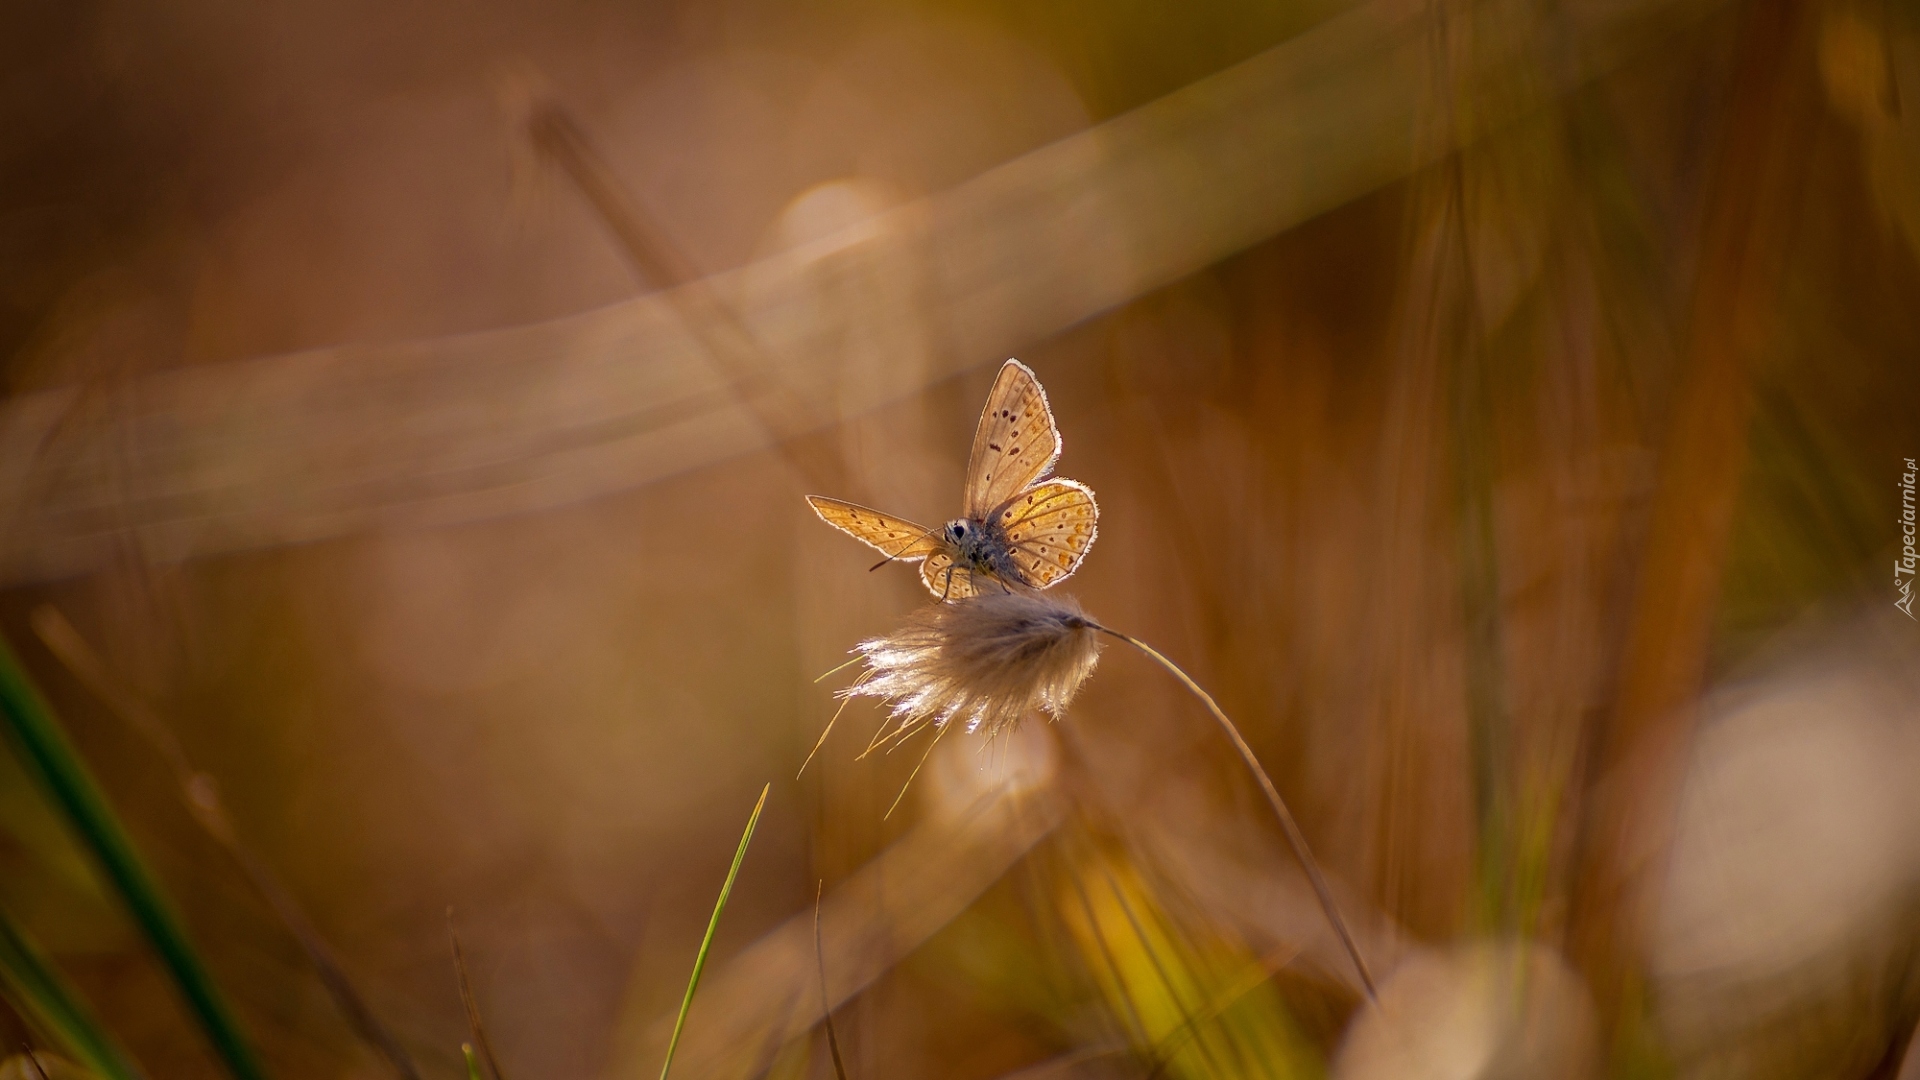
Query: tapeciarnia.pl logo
point(1904, 565)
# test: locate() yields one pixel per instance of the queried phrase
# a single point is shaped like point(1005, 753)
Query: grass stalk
point(471, 1004)
point(38, 991)
point(1295, 838)
point(713, 926)
point(751, 371)
point(826, 1001)
point(66, 780)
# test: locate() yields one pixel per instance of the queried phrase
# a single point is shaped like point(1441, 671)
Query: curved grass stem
point(1295, 838)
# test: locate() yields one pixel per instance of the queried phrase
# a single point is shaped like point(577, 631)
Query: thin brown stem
point(1295, 838)
point(751, 372)
point(472, 1004)
point(826, 1002)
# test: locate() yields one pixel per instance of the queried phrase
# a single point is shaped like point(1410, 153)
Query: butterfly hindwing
point(896, 538)
point(1015, 444)
point(945, 579)
point(1049, 528)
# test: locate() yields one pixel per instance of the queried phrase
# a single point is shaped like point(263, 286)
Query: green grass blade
point(67, 780)
point(713, 925)
point(38, 991)
point(473, 1063)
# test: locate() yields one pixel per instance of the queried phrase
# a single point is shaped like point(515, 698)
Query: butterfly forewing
point(1049, 528)
point(896, 538)
point(1015, 444)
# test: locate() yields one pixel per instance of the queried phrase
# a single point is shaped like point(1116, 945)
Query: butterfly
point(1017, 528)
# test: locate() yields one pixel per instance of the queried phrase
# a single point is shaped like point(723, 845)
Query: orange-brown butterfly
point(1017, 527)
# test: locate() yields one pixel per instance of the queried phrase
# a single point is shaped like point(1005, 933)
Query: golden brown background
point(1517, 461)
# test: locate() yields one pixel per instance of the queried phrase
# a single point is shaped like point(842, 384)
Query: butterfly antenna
point(908, 547)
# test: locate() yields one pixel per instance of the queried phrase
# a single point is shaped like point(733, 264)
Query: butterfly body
point(1020, 529)
point(980, 547)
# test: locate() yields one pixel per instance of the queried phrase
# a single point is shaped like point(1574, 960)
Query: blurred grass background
point(1500, 506)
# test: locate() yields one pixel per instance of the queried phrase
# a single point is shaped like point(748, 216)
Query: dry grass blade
point(202, 797)
point(1164, 1053)
point(713, 927)
point(748, 368)
point(1189, 997)
point(32, 1059)
point(826, 999)
point(472, 1005)
point(1168, 985)
point(1137, 1029)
